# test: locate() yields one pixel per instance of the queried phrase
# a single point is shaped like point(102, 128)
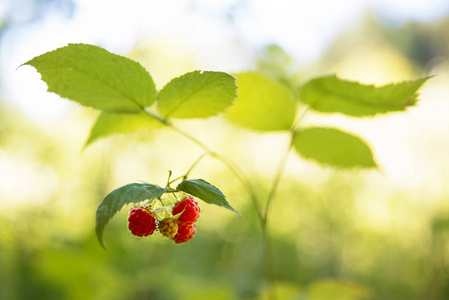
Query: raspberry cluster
point(180, 228)
point(187, 220)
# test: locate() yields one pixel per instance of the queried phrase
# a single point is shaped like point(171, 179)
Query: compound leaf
point(262, 103)
point(94, 77)
point(331, 94)
point(333, 147)
point(197, 95)
point(205, 191)
point(115, 200)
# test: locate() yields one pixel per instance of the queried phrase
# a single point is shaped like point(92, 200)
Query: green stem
point(188, 136)
point(194, 165)
point(184, 177)
point(277, 179)
point(269, 264)
point(263, 217)
point(243, 181)
point(299, 119)
point(217, 156)
point(281, 166)
point(268, 247)
point(168, 179)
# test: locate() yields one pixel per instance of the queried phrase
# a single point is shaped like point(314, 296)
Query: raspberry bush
point(126, 95)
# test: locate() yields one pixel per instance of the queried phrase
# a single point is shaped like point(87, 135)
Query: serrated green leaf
point(114, 123)
point(205, 191)
point(94, 77)
point(333, 147)
point(331, 94)
point(262, 103)
point(114, 201)
point(197, 95)
point(336, 290)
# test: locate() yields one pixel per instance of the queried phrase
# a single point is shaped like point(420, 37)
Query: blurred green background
point(337, 234)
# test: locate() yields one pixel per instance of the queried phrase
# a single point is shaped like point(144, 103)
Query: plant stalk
point(268, 252)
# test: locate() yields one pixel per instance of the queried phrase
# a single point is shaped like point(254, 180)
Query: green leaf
point(205, 191)
point(94, 77)
point(333, 147)
point(336, 290)
point(262, 103)
point(114, 201)
point(197, 95)
point(331, 94)
point(113, 123)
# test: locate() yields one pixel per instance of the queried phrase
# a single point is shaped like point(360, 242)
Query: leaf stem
point(168, 179)
point(267, 245)
point(299, 119)
point(246, 184)
point(187, 136)
point(281, 166)
point(269, 265)
point(189, 170)
point(277, 179)
point(154, 116)
point(262, 216)
point(194, 164)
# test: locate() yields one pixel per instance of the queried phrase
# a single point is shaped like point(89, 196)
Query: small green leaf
point(336, 290)
point(262, 103)
point(113, 123)
point(205, 191)
point(333, 147)
point(94, 77)
point(115, 200)
point(331, 94)
point(197, 95)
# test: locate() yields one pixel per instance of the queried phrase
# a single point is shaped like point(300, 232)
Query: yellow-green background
point(337, 234)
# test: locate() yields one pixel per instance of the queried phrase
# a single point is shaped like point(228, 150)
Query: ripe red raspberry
point(141, 222)
point(191, 210)
point(168, 227)
point(185, 232)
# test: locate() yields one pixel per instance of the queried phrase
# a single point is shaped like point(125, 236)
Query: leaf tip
point(232, 209)
point(87, 143)
point(99, 234)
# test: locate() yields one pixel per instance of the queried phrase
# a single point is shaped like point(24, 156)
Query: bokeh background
point(337, 234)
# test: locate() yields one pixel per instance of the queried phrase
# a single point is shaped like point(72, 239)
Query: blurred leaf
point(197, 95)
point(283, 290)
point(336, 290)
point(94, 77)
point(262, 103)
point(333, 147)
point(276, 55)
point(209, 293)
point(113, 123)
point(205, 191)
point(331, 94)
point(276, 62)
point(114, 201)
point(440, 224)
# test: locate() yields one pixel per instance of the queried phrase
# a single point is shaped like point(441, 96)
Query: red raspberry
point(168, 227)
point(191, 210)
point(185, 232)
point(141, 222)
